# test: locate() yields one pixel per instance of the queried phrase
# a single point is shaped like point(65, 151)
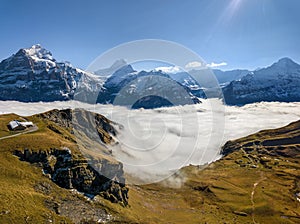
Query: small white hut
point(17, 125)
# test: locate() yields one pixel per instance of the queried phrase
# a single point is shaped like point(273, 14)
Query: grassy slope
point(21, 199)
point(242, 187)
point(215, 194)
point(20, 203)
point(211, 195)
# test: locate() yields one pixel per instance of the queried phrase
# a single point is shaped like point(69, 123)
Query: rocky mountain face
point(185, 79)
point(70, 172)
point(32, 74)
point(84, 122)
point(145, 89)
point(279, 82)
point(89, 174)
point(88, 171)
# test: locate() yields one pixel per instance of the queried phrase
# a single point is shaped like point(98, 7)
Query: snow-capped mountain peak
point(118, 64)
point(32, 74)
point(282, 68)
point(36, 52)
point(286, 61)
point(107, 72)
point(286, 64)
point(278, 82)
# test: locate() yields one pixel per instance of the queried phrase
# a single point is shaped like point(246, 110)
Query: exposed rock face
point(32, 75)
point(283, 141)
point(148, 90)
point(76, 173)
point(88, 169)
point(84, 121)
point(79, 210)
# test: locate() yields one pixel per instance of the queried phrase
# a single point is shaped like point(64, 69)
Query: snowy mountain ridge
point(145, 88)
point(278, 82)
point(32, 74)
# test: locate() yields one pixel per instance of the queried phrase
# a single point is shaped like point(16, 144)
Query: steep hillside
point(48, 175)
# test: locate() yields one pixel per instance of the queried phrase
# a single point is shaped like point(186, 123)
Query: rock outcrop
point(70, 172)
point(87, 122)
point(89, 166)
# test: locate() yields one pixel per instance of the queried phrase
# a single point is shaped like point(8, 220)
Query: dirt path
point(33, 129)
point(262, 178)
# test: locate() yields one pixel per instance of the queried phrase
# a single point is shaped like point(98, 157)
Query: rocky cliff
point(83, 162)
point(72, 172)
point(60, 171)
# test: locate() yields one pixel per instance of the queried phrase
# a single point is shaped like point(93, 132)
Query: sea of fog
point(156, 142)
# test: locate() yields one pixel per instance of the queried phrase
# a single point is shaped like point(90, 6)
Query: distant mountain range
point(145, 89)
point(225, 77)
point(32, 75)
point(278, 82)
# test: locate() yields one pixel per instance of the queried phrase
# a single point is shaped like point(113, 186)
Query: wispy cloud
point(194, 64)
point(199, 65)
point(169, 69)
point(215, 65)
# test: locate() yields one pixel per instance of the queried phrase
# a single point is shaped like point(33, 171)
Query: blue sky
point(242, 33)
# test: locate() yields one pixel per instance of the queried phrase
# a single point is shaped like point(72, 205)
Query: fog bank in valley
point(155, 142)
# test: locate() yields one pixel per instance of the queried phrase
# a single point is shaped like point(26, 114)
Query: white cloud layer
point(169, 69)
point(215, 65)
point(199, 65)
point(155, 142)
point(194, 64)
